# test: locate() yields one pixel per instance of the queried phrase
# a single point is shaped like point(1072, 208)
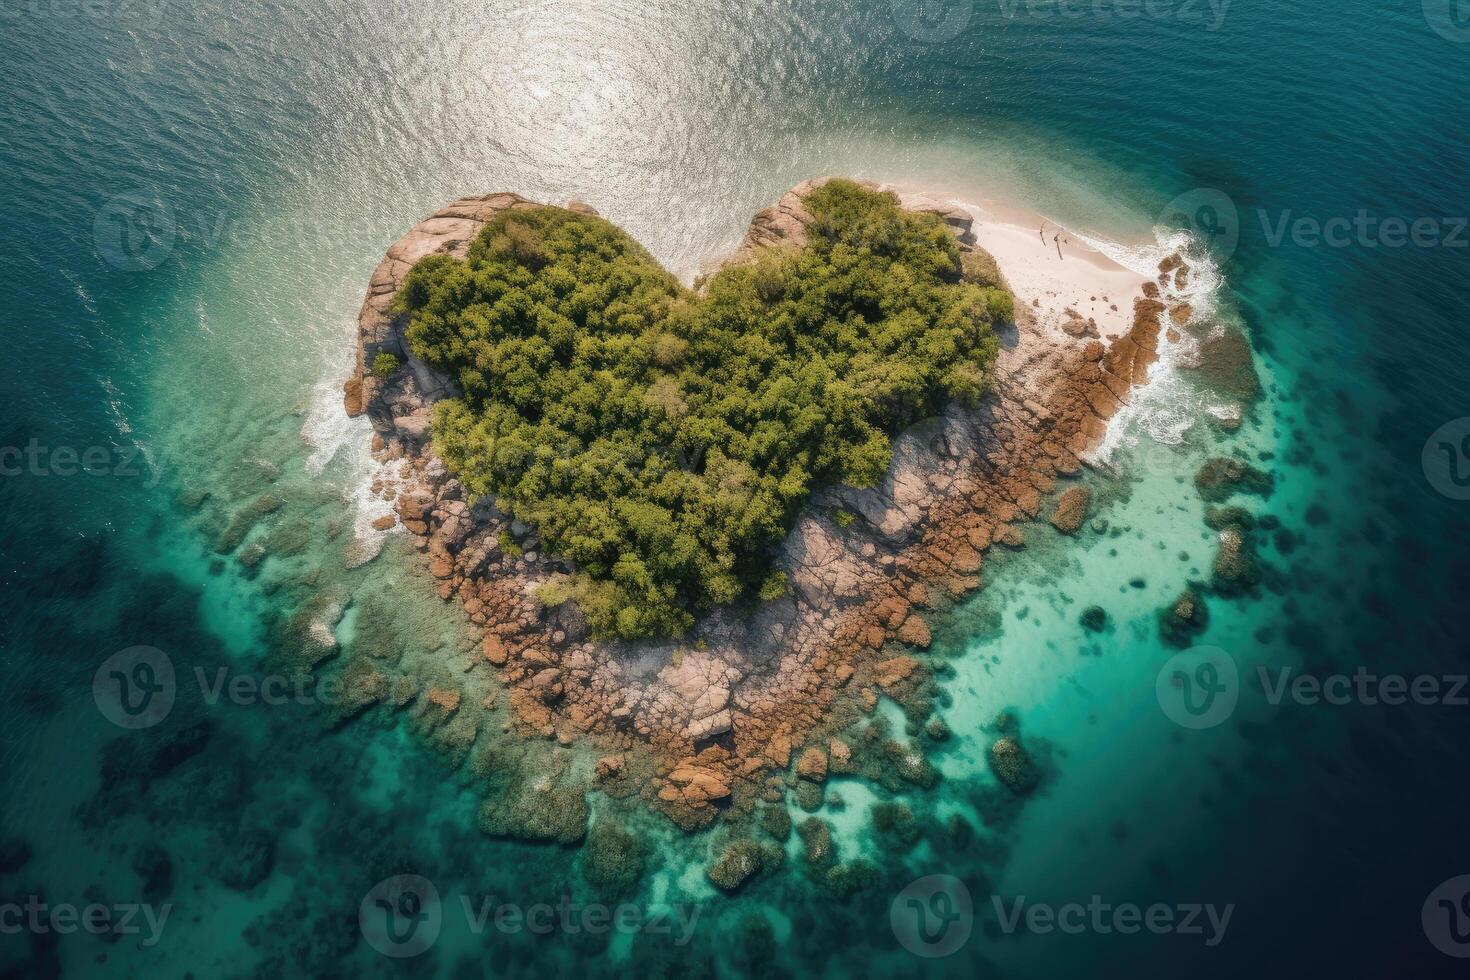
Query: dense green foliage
point(664, 440)
point(385, 365)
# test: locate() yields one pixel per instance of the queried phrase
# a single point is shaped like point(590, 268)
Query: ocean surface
point(194, 197)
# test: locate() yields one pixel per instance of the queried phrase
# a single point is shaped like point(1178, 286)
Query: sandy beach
point(1050, 280)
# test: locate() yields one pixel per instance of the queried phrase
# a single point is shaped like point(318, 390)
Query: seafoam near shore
point(1057, 270)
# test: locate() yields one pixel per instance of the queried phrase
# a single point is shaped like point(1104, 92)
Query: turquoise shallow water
point(194, 330)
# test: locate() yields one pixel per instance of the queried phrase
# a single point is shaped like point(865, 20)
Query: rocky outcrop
point(746, 689)
point(1221, 477)
point(738, 863)
point(1185, 619)
point(1071, 510)
point(612, 858)
point(1011, 764)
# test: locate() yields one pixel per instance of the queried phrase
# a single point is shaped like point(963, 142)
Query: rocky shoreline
point(711, 723)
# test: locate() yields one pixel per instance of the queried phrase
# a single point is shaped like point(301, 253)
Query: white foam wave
point(335, 438)
point(1164, 410)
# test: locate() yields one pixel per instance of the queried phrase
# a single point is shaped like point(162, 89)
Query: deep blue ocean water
point(195, 195)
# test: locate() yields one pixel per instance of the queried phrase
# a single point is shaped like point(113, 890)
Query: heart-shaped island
point(697, 526)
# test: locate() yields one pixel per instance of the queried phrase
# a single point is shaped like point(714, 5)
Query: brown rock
point(812, 765)
point(352, 400)
point(1072, 509)
point(697, 784)
point(889, 673)
point(494, 650)
point(915, 632)
point(547, 685)
point(446, 699)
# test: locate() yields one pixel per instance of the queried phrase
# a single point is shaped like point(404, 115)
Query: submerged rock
point(143, 756)
point(1072, 510)
point(14, 855)
point(1012, 764)
point(152, 863)
point(245, 860)
point(612, 858)
point(309, 636)
point(1094, 619)
point(244, 522)
point(895, 823)
point(537, 813)
point(775, 820)
point(691, 793)
point(851, 877)
point(1220, 518)
point(1222, 476)
point(361, 685)
point(910, 765)
point(1236, 568)
point(816, 839)
point(1184, 620)
point(809, 796)
point(812, 765)
point(741, 860)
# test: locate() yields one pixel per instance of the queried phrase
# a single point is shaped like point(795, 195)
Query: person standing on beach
point(1057, 241)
